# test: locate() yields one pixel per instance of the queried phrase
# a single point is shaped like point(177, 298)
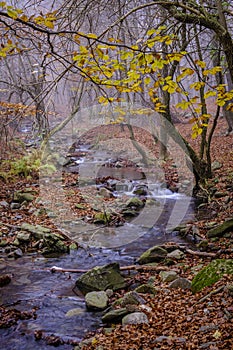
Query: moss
point(212, 273)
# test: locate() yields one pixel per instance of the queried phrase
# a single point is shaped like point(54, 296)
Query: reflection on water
point(60, 311)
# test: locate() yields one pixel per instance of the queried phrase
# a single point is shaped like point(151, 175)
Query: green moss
point(212, 273)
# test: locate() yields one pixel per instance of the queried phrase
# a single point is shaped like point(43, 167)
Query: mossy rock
point(101, 278)
point(219, 230)
point(212, 273)
point(154, 254)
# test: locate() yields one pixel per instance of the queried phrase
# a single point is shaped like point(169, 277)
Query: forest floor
point(178, 319)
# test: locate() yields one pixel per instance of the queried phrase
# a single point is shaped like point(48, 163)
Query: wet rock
point(176, 254)
point(134, 202)
point(104, 192)
point(102, 218)
point(220, 229)
point(101, 278)
point(135, 318)
point(114, 316)
point(141, 190)
point(212, 273)
point(146, 289)
point(74, 312)
point(154, 254)
point(168, 276)
point(15, 254)
point(180, 282)
point(96, 300)
point(129, 213)
point(4, 280)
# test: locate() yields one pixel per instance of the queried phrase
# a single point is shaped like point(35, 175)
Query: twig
point(215, 291)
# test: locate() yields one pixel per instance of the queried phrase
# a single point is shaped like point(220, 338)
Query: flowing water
point(59, 310)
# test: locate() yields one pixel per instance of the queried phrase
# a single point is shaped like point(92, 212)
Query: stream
point(60, 311)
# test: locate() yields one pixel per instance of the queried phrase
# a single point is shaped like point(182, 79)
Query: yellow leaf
point(217, 334)
point(147, 80)
point(209, 93)
point(91, 36)
point(12, 12)
point(183, 105)
point(150, 32)
point(201, 64)
point(197, 86)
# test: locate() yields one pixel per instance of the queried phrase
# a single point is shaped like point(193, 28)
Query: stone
point(211, 273)
point(102, 218)
point(216, 165)
point(229, 289)
point(168, 276)
point(15, 254)
point(141, 190)
point(23, 196)
point(219, 230)
point(101, 278)
point(146, 288)
point(131, 298)
point(74, 312)
point(135, 318)
point(176, 254)
point(134, 202)
point(15, 205)
point(4, 204)
point(180, 282)
point(154, 254)
point(38, 231)
point(104, 192)
point(4, 279)
point(23, 236)
point(220, 194)
point(114, 316)
point(96, 300)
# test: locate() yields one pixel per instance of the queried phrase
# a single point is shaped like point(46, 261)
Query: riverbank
point(176, 318)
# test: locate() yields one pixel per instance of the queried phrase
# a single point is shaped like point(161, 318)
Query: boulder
point(114, 316)
point(134, 202)
point(130, 298)
point(104, 192)
point(176, 254)
point(38, 231)
point(219, 230)
point(135, 318)
point(102, 218)
point(101, 278)
point(146, 289)
point(211, 273)
point(23, 197)
point(96, 300)
point(154, 254)
point(168, 276)
point(180, 282)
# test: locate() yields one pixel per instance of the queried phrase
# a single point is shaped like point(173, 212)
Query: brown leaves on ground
point(176, 321)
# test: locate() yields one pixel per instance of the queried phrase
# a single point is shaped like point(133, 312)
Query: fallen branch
point(215, 291)
point(193, 252)
point(122, 268)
